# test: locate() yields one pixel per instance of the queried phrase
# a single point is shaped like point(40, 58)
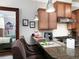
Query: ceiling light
point(50, 7)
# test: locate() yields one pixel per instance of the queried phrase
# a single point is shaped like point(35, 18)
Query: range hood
point(66, 20)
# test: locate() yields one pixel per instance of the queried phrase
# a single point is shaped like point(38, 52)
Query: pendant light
point(50, 7)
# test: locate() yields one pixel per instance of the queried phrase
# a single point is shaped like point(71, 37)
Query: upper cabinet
point(43, 19)
point(47, 21)
point(68, 12)
point(72, 25)
point(52, 20)
point(77, 21)
point(63, 9)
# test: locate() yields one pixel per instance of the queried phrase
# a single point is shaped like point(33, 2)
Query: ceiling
point(75, 3)
point(55, 0)
point(44, 1)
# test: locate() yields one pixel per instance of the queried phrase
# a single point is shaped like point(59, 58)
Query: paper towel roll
point(70, 43)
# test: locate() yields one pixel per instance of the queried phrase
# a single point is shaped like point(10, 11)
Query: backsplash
point(59, 32)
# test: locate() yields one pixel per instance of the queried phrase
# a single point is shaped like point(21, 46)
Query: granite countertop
point(60, 51)
point(51, 44)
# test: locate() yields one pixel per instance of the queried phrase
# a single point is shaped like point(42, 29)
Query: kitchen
point(59, 26)
point(56, 34)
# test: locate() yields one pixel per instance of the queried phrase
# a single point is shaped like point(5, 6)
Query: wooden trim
point(8, 8)
point(48, 20)
point(62, 2)
point(5, 52)
point(17, 23)
point(41, 9)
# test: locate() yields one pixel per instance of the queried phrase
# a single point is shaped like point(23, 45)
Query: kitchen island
point(59, 50)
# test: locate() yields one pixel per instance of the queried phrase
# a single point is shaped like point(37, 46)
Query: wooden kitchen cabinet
point(68, 12)
point(52, 20)
point(47, 21)
point(76, 12)
point(77, 21)
point(59, 9)
point(72, 25)
point(43, 19)
point(63, 9)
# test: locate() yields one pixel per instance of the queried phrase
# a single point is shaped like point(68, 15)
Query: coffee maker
point(48, 36)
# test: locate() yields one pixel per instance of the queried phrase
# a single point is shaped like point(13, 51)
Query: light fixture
point(50, 7)
point(36, 18)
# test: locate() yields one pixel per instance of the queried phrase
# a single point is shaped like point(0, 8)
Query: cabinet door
point(52, 20)
point(63, 9)
point(59, 9)
point(77, 22)
point(68, 10)
point(72, 25)
point(43, 19)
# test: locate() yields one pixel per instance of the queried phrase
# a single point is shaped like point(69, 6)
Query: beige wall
point(75, 0)
point(27, 11)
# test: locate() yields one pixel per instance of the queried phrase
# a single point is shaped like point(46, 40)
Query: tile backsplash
point(59, 32)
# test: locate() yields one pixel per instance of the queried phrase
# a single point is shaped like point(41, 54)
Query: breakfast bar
point(59, 50)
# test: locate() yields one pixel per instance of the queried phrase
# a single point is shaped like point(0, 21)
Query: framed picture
point(32, 24)
point(25, 22)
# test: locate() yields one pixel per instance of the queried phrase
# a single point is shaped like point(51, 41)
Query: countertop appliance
point(48, 36)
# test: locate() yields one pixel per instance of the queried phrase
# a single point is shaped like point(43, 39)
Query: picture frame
point(25, 22)
point(32, 24)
